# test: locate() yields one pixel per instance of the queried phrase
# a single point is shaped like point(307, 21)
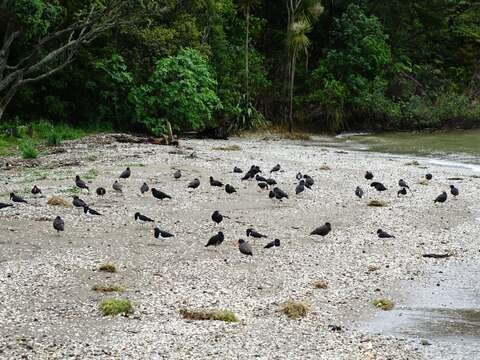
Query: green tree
point(37, 43)
point(181, 90)
point(301, 14)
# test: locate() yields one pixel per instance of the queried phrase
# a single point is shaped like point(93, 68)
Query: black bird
point(428, 176)
point(81, 184)
point(117, 186)
point(308, 181)
point(279, 194)
point(142, 219)
point(215, 182)
point(359, 192)
point(36, 190)
point(160, 194)
point(454, 191)
point(271, 182)
point(273, 243)
point(379, 186)
point(260, 178)
point(250, 174)
point(125, 174)
point(217, 217)
point(402, 191)
point(159, 232)
point(298, 176)
point(251, 232)
point(275, 168)
point(177, 175)
point(17, 199)
point(300, 187)
point(216, 240)
point(79, 203)
point(383, 235)
point(237, 170)
point(144, 188)
point(195, 183)
point(322, 230)
point(101, 191)
point(271, 194)
point(3, 205)
point(368, 175)
point(247, 176)
point(58, 224)
point(402, 184)
point(90, 211)
point(245, 247)
point(441, 198)
point(262, 185)
point(230, 189)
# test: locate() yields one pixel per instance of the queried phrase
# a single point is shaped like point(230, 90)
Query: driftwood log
point(437, 256)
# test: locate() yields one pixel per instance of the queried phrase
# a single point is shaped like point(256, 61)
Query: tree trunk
point(2, 110)
point(292, 82)
point(247, 15)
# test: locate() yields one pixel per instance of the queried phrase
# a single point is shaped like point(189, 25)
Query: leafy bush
point(181, 90)
point(28, 149)
point(349, 81)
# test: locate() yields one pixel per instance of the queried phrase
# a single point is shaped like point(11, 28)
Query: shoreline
point(54, 269)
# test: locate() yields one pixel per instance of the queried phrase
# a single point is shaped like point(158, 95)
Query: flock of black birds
point(304, 182)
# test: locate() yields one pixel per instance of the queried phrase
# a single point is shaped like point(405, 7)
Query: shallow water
point(443, 310)
point(441, 148)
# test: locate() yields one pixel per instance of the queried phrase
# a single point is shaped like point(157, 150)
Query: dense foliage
point(235, 64)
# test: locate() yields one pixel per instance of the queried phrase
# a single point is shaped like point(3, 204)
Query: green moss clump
point(116, 306)
point(383, 304)
point(216, 315)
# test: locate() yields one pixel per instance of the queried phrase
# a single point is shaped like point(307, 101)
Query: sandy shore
point(49, 310)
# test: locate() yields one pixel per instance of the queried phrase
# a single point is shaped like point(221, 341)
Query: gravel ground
point(49, 310)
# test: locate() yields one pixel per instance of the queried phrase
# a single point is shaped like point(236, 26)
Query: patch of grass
point(295, 309)
point(70, 190)
point(28, 150)
point(320, 284)
point(108, 268)
point(107, 288)
point(7, 145)
point(383, 304)
point(34, 175)
point(377, 203)
point(227, 148)
point(423, 182)
point(135, 165)
point(324, 167)
point(58, 201)
point(55, 134)
point(91, 174)
point(116, 307)
point(215, 315)
point(91, 158)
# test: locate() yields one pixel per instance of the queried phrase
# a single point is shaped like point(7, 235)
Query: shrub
point(28, 150)
point(116, 306)
point(181, 90)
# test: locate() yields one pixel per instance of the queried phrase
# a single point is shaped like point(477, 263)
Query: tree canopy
point(328, 65)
